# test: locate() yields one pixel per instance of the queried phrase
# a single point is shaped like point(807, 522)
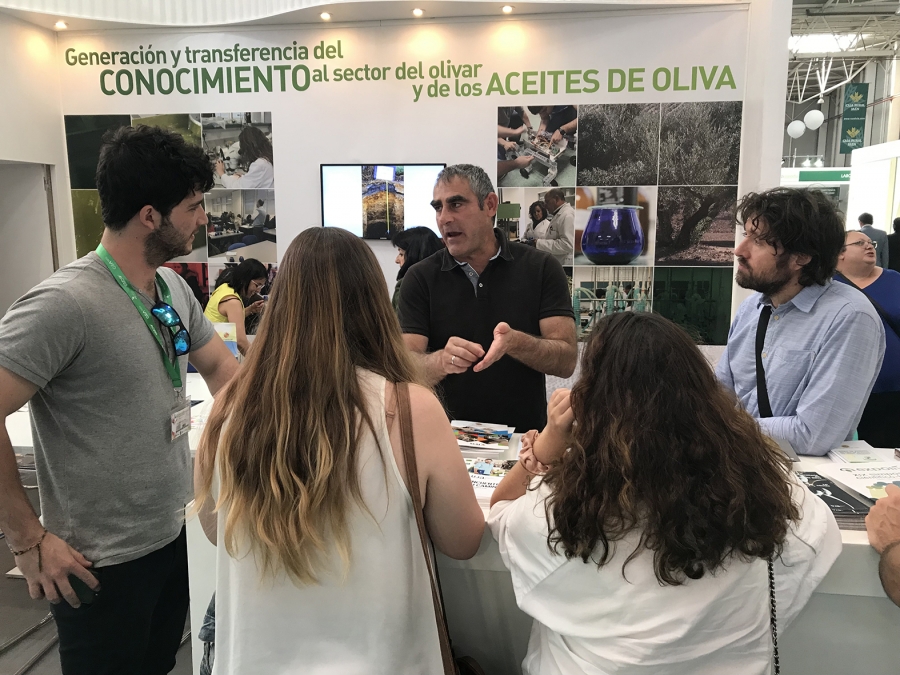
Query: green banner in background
point(853, 125)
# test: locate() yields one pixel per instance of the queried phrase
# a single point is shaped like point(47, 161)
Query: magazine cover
point(840, 502)
point(869, 480)
point(494, 437)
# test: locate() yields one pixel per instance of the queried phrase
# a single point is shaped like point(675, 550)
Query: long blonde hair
point(296, 413)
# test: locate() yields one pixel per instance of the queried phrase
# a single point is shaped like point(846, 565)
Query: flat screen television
point(375, 201)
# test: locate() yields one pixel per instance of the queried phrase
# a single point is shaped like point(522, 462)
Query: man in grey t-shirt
point(100, 351)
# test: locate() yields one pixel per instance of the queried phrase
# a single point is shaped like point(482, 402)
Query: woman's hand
point(255, 308)
point(220, 167)
point(556, 438)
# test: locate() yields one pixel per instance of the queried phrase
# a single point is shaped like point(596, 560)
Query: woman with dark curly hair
point(642, 547)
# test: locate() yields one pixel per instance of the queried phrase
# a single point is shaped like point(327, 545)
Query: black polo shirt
point(520, 286)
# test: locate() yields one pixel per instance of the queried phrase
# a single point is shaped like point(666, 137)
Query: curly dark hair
point(798, 220)
point(254, 145)
point(663, 449)
point(147, 166)
point(538, 205)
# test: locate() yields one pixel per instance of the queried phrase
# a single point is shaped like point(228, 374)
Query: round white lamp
point(813, 119)
point(795, 129)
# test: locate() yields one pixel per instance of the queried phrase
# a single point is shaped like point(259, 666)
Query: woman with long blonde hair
point(319, 564)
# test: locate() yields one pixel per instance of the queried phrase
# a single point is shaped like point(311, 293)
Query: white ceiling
point(341, 12)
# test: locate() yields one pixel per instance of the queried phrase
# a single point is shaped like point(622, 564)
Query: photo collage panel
point(636, 201)
point(240, 207)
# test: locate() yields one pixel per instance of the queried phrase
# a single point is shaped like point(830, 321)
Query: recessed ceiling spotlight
point(61, 25)
point(507, 9)
point(325, 16)
point(418, 12)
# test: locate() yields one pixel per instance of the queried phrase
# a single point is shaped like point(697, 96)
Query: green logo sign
point(853, 124)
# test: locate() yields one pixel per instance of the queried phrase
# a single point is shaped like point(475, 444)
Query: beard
point(768, 284)
point(165, 243)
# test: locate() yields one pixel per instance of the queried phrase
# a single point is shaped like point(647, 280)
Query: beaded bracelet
point(36, 545)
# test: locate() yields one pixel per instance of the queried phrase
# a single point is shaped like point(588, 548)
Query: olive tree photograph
point(700, 143)
point(695, 225)
point(618, 144)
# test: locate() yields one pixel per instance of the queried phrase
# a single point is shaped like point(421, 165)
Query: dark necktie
point(762, 393)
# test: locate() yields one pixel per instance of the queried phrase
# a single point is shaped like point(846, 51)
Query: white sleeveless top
point(379, 620)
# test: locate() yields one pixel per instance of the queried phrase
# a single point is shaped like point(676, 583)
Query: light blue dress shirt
point(822, 353)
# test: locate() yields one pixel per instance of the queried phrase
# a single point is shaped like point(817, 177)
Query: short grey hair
point(556, 194)
point(479, 182)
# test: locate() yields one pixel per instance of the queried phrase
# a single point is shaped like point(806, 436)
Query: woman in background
point(537, 228)
point(256, 153)
point(413, 245)
point(320, 568)
point(235, 287)
point(643, 548)
point(856, 266)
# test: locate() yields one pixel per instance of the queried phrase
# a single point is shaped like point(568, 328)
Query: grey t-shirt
point(112, 483)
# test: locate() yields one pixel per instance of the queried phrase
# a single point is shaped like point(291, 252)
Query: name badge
point(181, 419)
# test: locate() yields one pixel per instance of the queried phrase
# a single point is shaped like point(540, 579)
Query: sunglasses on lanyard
point(169, 318)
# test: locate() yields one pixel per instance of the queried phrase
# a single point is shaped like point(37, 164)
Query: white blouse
point(597, 622)
point(261, 174)
point(375, 618)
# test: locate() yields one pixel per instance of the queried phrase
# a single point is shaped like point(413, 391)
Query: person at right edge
point(815, 346)
point(487, 317)
point(856, 267)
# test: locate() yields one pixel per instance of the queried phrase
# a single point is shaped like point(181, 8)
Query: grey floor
point(19, 612)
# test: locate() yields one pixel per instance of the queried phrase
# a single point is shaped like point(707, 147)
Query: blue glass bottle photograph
point(613, 235)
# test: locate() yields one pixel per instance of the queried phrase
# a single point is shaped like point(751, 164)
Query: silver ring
point(452, 360)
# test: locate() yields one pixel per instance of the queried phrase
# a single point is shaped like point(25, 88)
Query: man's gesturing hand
point(459, 355)
point(503, 338)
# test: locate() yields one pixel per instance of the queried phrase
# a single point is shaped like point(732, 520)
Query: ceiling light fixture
point(325, 16)
point(418, 12)
point(507, 9)
point(61, 25)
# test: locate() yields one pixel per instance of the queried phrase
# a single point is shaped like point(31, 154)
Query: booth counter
point(848, 626)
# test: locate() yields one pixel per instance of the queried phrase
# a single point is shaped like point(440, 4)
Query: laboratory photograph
point(239, 146)
point(540, 217)
point(615, 225)
point(241, 223)
point(603, 291)
point(537, 146)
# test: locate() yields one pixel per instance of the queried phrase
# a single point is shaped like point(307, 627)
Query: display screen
point(375, 201)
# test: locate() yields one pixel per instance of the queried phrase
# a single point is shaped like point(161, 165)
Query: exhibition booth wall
point(668, 116)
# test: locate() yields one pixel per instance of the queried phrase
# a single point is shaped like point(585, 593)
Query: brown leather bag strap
point(412, 474)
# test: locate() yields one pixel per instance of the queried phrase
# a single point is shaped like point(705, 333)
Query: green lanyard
point(172, 368)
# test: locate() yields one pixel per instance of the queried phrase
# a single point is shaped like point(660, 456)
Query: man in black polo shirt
point(488, 317)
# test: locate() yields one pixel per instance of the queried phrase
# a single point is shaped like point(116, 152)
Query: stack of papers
point(860, 452)
point(490, 439)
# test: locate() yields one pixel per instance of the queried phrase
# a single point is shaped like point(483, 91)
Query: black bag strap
point(887, 318)
point(762, 392)
point(776, 665)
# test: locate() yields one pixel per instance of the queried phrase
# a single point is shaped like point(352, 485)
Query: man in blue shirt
point(821, 342)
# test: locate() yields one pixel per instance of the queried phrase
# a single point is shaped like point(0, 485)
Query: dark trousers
point(135, 624)
point(879, 426)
